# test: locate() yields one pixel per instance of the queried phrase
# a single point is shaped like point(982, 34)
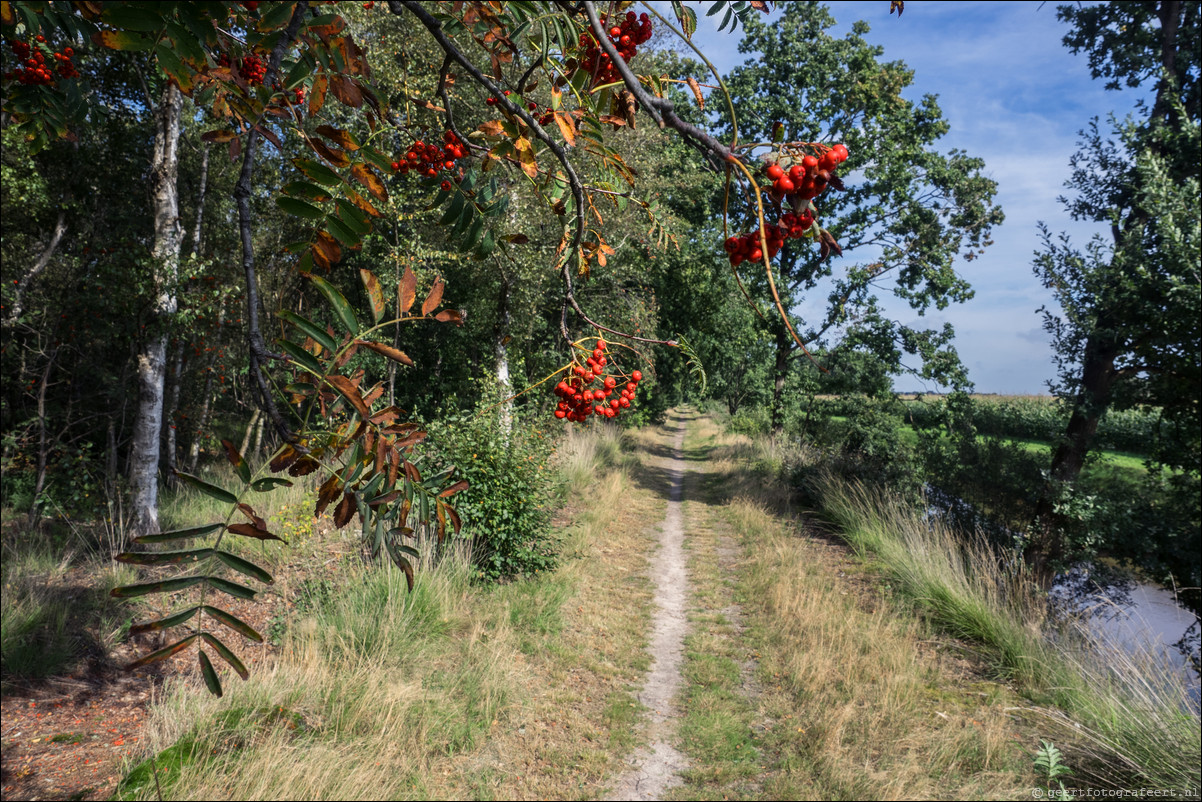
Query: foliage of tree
point(1127, 331)
point(375, 152)
point(907, 213)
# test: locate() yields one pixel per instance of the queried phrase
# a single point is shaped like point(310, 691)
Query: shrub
point(506, 508)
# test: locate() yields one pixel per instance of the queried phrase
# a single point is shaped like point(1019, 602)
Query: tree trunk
point(1046, 553)
point(43, 445)
point(152, 361)
point(169, 414)
point(784, 345)
point(500, 350)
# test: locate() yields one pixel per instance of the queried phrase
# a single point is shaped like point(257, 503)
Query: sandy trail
point(657, 766)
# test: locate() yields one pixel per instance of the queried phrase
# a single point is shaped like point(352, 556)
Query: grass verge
point(456, 690)
point(1125, 722)
point(806, 680)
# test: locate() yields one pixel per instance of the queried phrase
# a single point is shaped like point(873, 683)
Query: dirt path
point(656, 767)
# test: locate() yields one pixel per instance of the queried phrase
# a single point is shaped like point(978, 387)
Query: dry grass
point(854, 698)
point(454, 691)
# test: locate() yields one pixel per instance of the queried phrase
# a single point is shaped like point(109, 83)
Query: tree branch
point(60, 228)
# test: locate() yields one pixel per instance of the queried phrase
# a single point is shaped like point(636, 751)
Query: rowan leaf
point(343, 310)
point(244, 567)
point(351, 393)
point(162, 654)
point(163, 557)
point(240, 465)
point(211, 681)
point(310, 328)
point(179, 534)
point(173, 620)
point(395, 354)
point(212, 491)
point(236, 624)
point(226, 654)
point(232, 588)
point(434, 298)
point(162, 586)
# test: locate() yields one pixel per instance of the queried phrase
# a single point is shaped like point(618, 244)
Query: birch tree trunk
point(152, 360)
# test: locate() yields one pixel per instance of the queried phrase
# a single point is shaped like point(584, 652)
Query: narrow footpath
point(656, 767)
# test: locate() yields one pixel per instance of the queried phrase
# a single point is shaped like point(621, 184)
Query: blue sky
point(1016, 97)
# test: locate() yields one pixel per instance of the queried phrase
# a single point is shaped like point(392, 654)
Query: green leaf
point(213, 491)
point(235, 459)
point(163, 586)
point(121, 15)
point(211, 681)
point(298, 208)
point(163, 557)
point(245, 567)
point(186, 45)
point(337, 300)
point(161, 654)
point(236, 624)
point(173, 620)
point(310, 328)
point(232, 588)
point(170, 64)
point(226, 654)
point(269, 483)
point(122, 40)
point(355, 218)
point(317, 172)
point(300, 355)
point(453, 211)
point(342, 232)
point(276, 16)
point(298, 72)
point(179, 534)
point(303, 189)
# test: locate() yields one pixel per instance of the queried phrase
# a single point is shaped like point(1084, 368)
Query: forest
point(275, 272)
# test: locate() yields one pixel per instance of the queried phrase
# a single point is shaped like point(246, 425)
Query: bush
point(506, 508)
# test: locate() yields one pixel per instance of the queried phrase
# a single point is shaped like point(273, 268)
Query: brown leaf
point(381, 454)
point(270, 136)
point(338, 136)
point(374, 394)
point(458, 487)
point(252, 516)
point(368, 178)
point(395, 354)
point(218, 135)
point(344, 510)
point(434, 298)
point(304, 466)
point(696, 87)
point(450, 316)
point(351, 393)
point(346, 90)
point(329, 491)
point(362, 202)
point(406, 292)
point(526, 157)
point(250, 530)
point(566, 127)
point(284, 459)
point(317, 94)
point(375, 293)
point(326, 250)
point(616, 122)
point(454, 516)
point(334, 156)
point(394, 464)
point(492, 128)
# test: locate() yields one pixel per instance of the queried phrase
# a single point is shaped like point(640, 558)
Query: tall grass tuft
point(1128, 720)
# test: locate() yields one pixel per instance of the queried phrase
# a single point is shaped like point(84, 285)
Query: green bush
point(506, 508)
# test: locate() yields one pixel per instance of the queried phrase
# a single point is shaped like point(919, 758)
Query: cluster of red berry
point(428, 159)
point(626, 37)
point(804, 180)
point(578, 398)
point(252, 68)
point(809, 178)
point(31, 63)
